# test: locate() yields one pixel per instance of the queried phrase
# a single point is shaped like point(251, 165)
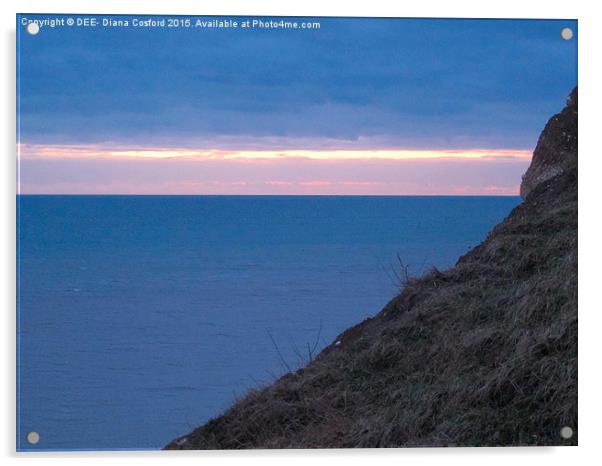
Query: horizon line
point(254, 195)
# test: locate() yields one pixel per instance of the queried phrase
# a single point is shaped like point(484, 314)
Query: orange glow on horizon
point(91, 151)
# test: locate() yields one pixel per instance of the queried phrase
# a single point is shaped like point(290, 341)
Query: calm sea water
point(140, 317)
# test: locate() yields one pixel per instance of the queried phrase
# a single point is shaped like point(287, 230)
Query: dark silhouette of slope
point(484, 353)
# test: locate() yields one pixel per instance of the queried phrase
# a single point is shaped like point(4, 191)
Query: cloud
point(358, 106)
point(402, 83)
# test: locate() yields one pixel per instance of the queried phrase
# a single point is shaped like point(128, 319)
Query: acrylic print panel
point(252, 232)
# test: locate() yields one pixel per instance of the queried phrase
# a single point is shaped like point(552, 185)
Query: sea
point(141, 317)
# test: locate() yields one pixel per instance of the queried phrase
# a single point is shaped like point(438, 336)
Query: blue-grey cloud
point(398, 82)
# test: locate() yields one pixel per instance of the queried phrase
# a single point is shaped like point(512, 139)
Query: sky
point(354, 106)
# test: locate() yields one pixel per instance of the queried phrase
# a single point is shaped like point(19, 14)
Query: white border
point(590, 153)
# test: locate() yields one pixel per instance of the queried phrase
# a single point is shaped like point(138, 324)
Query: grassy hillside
point(484, 353)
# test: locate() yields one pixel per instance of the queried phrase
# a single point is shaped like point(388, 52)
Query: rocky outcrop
point(556, 150)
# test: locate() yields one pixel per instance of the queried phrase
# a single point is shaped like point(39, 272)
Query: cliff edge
point(556, 150)
point(484, 353)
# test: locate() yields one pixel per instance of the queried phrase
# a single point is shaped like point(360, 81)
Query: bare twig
point(401, 273)
point(312, 352)
point(282, 360)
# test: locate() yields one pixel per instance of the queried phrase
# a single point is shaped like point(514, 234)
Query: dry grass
point(482, 354)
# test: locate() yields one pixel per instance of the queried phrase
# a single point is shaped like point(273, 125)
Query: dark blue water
point(140, 317)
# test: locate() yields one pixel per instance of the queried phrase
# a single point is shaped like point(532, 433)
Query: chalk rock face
point(556, 150)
